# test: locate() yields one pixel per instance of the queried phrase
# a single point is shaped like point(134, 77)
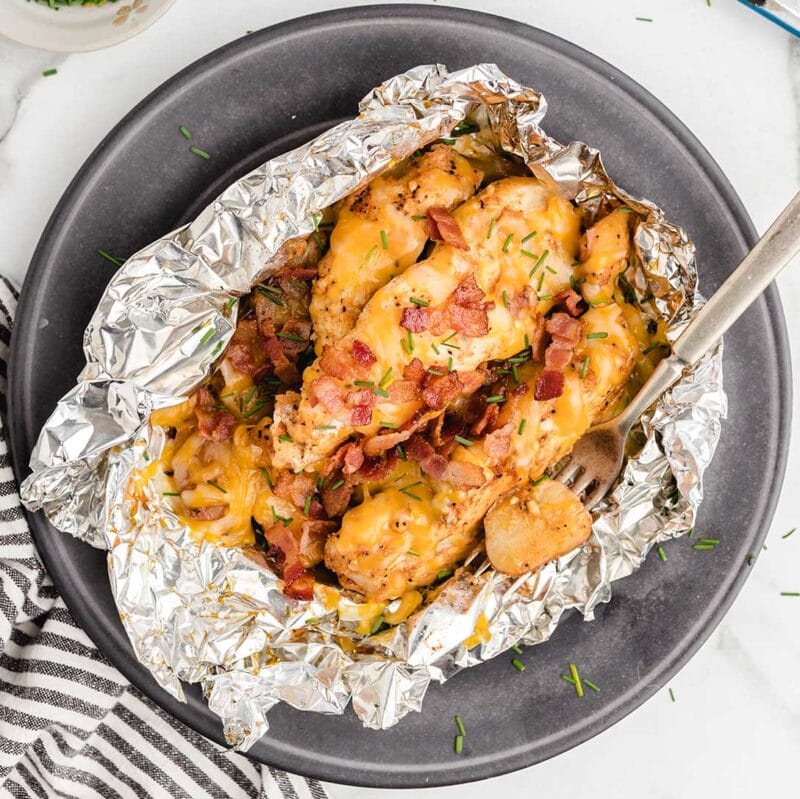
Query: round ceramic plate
point(78, 28)
point(269, 92)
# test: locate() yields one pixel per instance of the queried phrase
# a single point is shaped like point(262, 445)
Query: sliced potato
point(534, 525)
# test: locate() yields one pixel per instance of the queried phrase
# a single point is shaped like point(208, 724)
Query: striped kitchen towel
point(70, 723)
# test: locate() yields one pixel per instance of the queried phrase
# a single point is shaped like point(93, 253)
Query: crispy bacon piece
point(440, 391)
point(564, 328)
point(212, 422)
point(376, 468)
point(498, 443)
point(362, 354)
point(441, 226)
point(361, 396)
point(471, 322)
point(336, 363)
point(246, 350)
point(403, 391)
point(361, 415)
point(471, 380)
point(549, 385)
point(336, 500)
point(538, 340)
point(353, 458)
point(420, 450)
point(519, 302)
point(571, 300)
point(557, 355)
point(211, 513)
point(284, 369)
point(414, 371)
point(464, 311)
point(468, 293)
point(294, 488)
point(299, 583)
point(385, 441)
point(415, 319)
point(487, 418)
point(299, 272)
point(464, 475)
point(328, 392)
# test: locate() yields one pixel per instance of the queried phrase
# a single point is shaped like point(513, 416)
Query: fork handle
point(772, 252)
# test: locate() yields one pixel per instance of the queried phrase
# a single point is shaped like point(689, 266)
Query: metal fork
point(596, 459)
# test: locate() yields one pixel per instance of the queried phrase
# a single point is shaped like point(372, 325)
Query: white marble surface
point(734, 79)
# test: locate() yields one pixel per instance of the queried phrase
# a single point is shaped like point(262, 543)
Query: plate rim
point(631, 700)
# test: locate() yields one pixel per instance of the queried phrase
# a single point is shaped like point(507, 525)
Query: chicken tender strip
point(522, 239)
point(404, 536)
point(377, 236)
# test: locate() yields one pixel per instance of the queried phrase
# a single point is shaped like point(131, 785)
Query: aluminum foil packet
point(202, 613)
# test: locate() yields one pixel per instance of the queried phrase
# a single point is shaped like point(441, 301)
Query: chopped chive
point(491, 228)
point(48, 72)
point(208, 335)
point(364, 383)
point(170, 493)
point(450, 363)
point(185, 132)
point(495, 398)
point(407, 490)
point(217, 348)
point(539, 261)
point(568, 679)
point(507, 242)
point(505, 298)
point(551, 270)
point(690, 534)
point(385, 378)
point(573, 670)
point(418, 301)
point(658, 345)
point(230, 303)
point(410, 342)
point(377, 625)
point(444, 573)
point(198, 152)
point(307, 505)
point(540, 479)
point(597, 335)
point(662, 554)
point(109, 257)
point(708, 540)
point(390, 425)
point(337, 484)
point(591, 685)
point(384, 240)
point(325, 427)
point(521, 428)
point(437, 372)
point(448, 141)
point(217, 486)
point(584, 367)
point(517, 649)
point(464, 127)
point(518, 664)
point(287, 520)
point(545, 297)
point(460, 725)
point(371, 254)
point(417, 217)
point(541, 282)
point(315, 218)
point(671, 694)
point(786, 535)
point(272, 298)
point(465, 442)
point(267, 478)
point(703, 547)
point(413, 553)
point(527, 341)
point(435, 348)
point(401, 453)
point(750, 559)
point(285, 438)
point(790, 593)
point(529, 236)
point(458, 746)
point(291, 337)
point(381, 392)
point(318, 239)
point(599, 303)
point(644, 19)
point(515, 372)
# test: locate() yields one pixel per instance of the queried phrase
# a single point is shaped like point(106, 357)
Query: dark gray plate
point(275, 89)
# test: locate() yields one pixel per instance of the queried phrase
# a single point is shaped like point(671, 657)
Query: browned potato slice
point(534, 525)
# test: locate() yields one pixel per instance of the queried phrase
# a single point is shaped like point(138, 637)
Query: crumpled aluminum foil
point(202, 613)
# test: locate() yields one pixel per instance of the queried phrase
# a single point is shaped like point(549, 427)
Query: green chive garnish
point(435, 348)
point(644, 19)
point(417, 217)
point(516, 649)
point(591, 685)
point(460, 725)
point(491, 228)
point(401, 453)
point(505, 298)
point(390, 425)
point(170, 493)
point(507, 242)
point(790, 593)
point(671, 694)
point(271, 297)
point(413, 553)
point(786, 535)
point(568, 679)
point(217, 486)
point(208, 335)
point(325, 427)
point(450, 363)
point(385, 379)
point(518, 664)
point(540, 260)
point(444, 573)
point(109, 257)
point(377, 625)
point(662, 554)
point(465, 442)
point(371, 254)
point(458, 746)
point(407, 490)
point(658, 345)
point(337, 484)
point(267, 478)
point(703, 547)
point(540, 479)
point(597, 335)
point(291, 337)
point(185, 132)
point(495, 398)
point(48, 72)
point(285, 438)
point(384, 240)
point(541, 282)
point(421, 303)
point(307, 505)
point(521, 428)
point(584, 367)
point(573, 670)
point(529, 236)
point(200, 153)
point(364, 383)
point(708, 540)
point(381, 392)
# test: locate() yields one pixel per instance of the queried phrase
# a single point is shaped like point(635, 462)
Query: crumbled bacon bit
point(385, 441)
point(464, 475)
point(299, 273)
point(362, 354)
point(361, 396)
point(336, 363)
point(361, 415)
point(353, 458)
point(299, 583)
point(439, 392)
point(284, 369)
point(294, 488)
point(246, 350)
point(487, 418)
point(414, 319)
point(471, 380)
point(468, 293)
point(213, 423)
point(557, 355)
point(209, 514)
point(471, 322)
point(498, 443)
point(519, 302)
point(337, 499)
point(414, 371)
point(538, 340)
point(565, 328)
point(549, 385)
point(403, 391)
point(326, 391)
point(441, 226)
point(571, 300)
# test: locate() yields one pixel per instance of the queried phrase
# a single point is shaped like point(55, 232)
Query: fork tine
point(570, 471)
point(583, 482)
point(591, 499)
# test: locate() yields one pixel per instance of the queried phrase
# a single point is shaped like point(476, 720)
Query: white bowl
point(78, 28)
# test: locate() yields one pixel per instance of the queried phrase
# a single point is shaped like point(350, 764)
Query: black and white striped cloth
point(70, 724)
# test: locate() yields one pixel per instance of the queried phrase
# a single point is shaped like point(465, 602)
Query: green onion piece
point(184, 131)
point(170, 493)
point(318, 239)
point(505, 298)
point(458, 746)
point(384, 240)
point(443, 574)
point(108, 257)
point(540, 479)
point(591, 685)
point(325, 427)
point(417, 217)
point(272, 298)
point(657, 346)
point(315, 218)
point(518, 664)
point(407, 490)
point(507, 242)
point(385, 379)
point(450, 364)
point(662, 554)
point(267, 478)
point(364, 383)
point(644, 19)
point(418, 301)
point(517, 649)
point(568, 679)
point(371, 254)
point(390, 425)
point(291, 337)
point(709, 540)
point(597, 335)
point(337, 484)
point(703, 547)
point(433, 371)
point(465, 442)
point(584, 367)
point(690, 534)
point(48, 72)
point(671, 694)
point(285, 438)
point(573, 670)
point(545, 297)
point(381, 392)
point(413, 553)
point(541, 282)
point(377, 625)
point(460, 725)
point(786, 535)
point(401, 453)
point(515, 373)
point(495, 398)
point(200, 153)
point(217, 486)
point(529, 236)
point(307, 505)
point(521, 428)
point(790, 593)
point(208, 335)
point(435, 348)
point(448, 141)
point(491, 228)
